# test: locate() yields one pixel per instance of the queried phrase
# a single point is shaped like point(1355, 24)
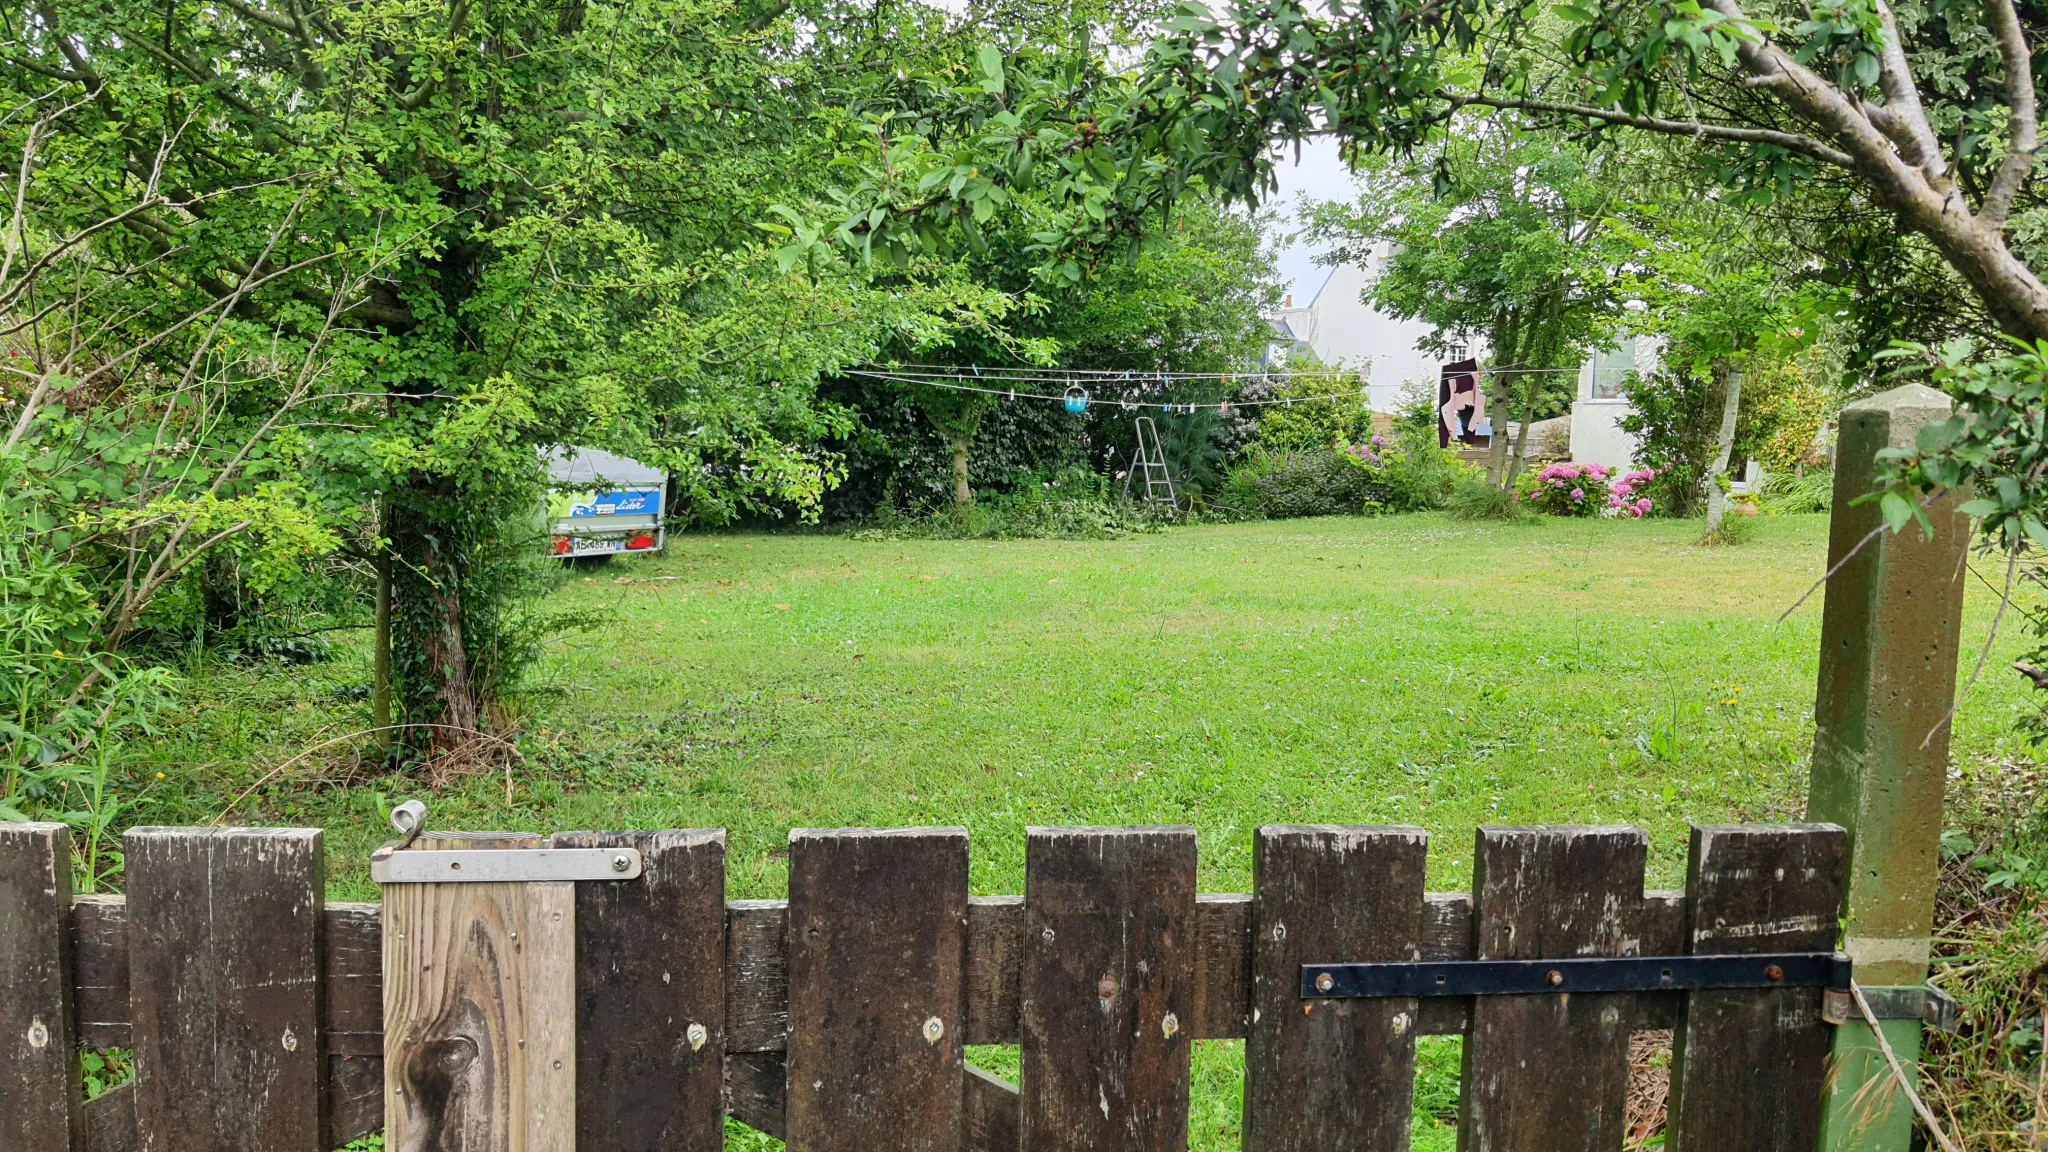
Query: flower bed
point(1573, 489)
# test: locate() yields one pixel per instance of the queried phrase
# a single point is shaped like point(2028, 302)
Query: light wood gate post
point(479, 1010)
point(1889, 641)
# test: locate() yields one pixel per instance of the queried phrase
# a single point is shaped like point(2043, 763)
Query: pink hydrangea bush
point(1625, 496)
point(1573, 489)
point(1567, 489)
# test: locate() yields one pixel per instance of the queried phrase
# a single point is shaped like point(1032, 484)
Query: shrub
point(1419, 476)
point(1309, 482)
point(1737, 527)
point(1677, 418)
point(1325, 413)
point(1566, 489)
point(1472, 498)
point(1786, 494)
point(1071, 504)
point(1628, 497)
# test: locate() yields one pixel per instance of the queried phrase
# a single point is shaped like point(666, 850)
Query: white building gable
point(1345, 332)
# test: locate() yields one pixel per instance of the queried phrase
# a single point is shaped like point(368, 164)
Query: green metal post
point(1890, 633)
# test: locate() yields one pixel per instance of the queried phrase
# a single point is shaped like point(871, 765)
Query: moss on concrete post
point(1889, 639)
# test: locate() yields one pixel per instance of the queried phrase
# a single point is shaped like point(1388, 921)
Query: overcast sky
point(1319, 175)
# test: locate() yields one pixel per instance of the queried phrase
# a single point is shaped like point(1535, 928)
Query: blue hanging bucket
point(1076, 401)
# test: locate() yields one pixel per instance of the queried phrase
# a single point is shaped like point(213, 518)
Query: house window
point(1611, 368)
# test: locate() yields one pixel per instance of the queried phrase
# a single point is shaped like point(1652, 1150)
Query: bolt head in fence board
point(1549, 1073)
point(877, 966)
point(40, 1101)
point(224, 982)
point(1108, 988)
point(1331, 1073)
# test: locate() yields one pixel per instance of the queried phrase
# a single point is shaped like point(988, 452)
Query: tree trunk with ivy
point(957, 415)
point(432, 664)
point(963, 492)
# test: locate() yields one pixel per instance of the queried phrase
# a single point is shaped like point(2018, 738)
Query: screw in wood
point(1554, 978)
point(698, 1036)
point(934, 1028)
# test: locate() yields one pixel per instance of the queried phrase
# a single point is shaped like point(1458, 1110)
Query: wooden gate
point(634, 1015)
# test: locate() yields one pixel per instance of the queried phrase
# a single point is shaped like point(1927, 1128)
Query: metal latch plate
point(504, 865)
point(1601, 974)
point(1922, 1002)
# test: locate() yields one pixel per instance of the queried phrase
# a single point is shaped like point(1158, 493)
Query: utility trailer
point(600, 504)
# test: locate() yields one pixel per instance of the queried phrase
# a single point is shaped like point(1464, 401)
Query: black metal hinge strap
point(1600, 974)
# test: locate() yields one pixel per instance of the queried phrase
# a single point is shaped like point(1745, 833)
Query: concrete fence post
point(1890, 634)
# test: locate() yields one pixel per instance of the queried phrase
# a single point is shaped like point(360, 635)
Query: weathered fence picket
point(1109, 914)
point(40, 1103)
point(877, 958)
point(1550, 1072)
point(480, 1010)
point(837, 1019)
point(1748, 1068)
point(224, 988)
point(650, 996)
point(1334, 1073)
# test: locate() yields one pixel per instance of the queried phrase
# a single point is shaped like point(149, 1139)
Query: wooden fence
point(642, 1012)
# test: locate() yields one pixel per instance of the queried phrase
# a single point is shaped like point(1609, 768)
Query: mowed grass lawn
point(1397, 670)
point(1408, 670)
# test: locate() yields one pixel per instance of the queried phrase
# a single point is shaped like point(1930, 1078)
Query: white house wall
point(1346, 332)
point(1597, 437)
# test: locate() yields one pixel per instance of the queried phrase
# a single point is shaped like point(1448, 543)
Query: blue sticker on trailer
point(616, 504)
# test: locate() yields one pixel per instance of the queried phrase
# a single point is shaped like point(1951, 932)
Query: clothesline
point(1058, 375)
point(1005, 381)
point(1086, 401)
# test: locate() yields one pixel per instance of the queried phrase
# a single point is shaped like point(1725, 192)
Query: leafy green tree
point(1493, 235)
point(1725, 298)
point(1190, 298)
point(1928, 109)
point(549, 221)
